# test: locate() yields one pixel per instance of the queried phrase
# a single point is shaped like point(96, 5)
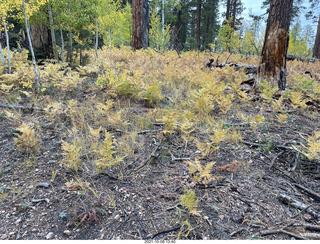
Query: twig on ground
point(141, 225)
point(152, 155)
point(296, 163)
point(173, 158)
point(164, 232)
point(310, 192)
point(237, 231)
point(274, 160)
point(299, 205)
point(21, 107)
point(311, 227)
point(147, 131)
point(279, 231)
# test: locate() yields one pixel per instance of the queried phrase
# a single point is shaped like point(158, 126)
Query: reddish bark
point(198, 22)
point(234, 13)
point(136, 42)
point(273, 61)
point(316, 48)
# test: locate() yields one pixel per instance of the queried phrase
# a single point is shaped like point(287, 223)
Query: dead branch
point(165, 231)
point(259, 145)
point(274, 160)
point(280, 231)
point(173, 158)
point(311, 236)
point(299, 205)
point(21, 107)
point(151, 156)
point(308, 227)
point(310, 192)
point(228, 58)
point(147, 131)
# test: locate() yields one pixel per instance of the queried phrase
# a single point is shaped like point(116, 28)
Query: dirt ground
point(247, 202)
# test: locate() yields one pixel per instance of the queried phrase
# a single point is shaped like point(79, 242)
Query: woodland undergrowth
point(102, 110)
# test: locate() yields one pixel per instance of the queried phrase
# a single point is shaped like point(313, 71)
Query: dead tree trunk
point(198, 23)
point(272, 66)
point(316, 48)
point(136, 42)
point(39, 34)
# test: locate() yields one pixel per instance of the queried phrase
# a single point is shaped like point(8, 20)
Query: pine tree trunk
point(1, 52)
point(145, 24)
point(8, 46)
point(62, 44)
point(53, 36)
point(198, 23)
point(228, 10)
point(177, 31)
point(316, 48)
point(31, 48)
point(272, 66)
point(136, 42)
point(234, 13)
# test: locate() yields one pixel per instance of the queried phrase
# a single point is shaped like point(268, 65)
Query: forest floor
point(262, 185)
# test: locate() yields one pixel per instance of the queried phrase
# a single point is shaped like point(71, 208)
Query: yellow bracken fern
point(313, 146)
point(201, 173)
point(26, 140)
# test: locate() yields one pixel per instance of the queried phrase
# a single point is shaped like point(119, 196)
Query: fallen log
point(248, 69)
point(309, 60)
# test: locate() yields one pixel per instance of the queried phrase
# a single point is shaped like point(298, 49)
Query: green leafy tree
point(228, 38)
point(158, 40)
point(251, 44)
point(298, 42)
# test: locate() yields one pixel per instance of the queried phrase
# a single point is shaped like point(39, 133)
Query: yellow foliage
point(186, 128)
point(219, 134)
point(104, 109)
point(54, 109)
point(190, 201)
point(117, 119)
point(72, 153)
point(312, 149)
point(282, 118)
point(106, 152)
point(235, 136)
point(201, 173)
point(9, 79)
point(297, 100)
point(26, 141)
point(95, 133)
point(170, 121)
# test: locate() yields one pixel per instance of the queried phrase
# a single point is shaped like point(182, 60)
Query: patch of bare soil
point(267, 189)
